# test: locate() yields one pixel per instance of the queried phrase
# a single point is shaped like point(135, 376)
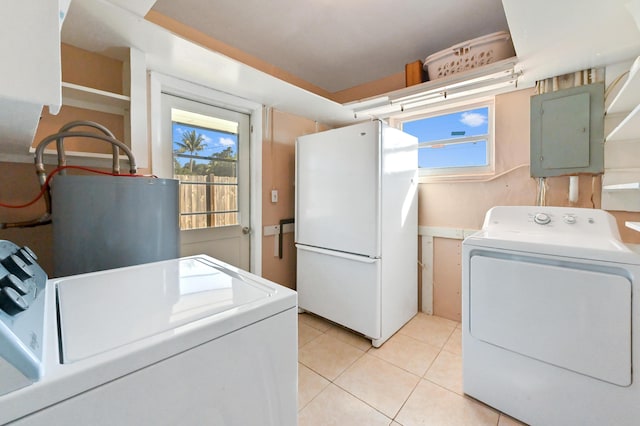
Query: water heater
point(104, 222)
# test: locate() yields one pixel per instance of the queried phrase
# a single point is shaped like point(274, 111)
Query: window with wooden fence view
point(205, 160)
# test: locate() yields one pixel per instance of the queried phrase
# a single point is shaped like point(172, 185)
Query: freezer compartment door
point(337, 189)
point(340, 287)
point(567, 314)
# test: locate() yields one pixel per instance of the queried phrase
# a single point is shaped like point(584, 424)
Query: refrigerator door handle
point(349, 256)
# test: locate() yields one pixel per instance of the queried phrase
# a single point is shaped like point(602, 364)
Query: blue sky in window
point(214, 141)
point(462, 124)
point(472, 122)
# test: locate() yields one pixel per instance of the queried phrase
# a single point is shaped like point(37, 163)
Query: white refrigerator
point(356, 227)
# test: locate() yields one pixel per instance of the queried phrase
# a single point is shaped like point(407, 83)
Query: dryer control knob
point(26, 254)
point(11, 302)
point(15, 283)
point(541, 218)
point(18, 267)
point(569, 219)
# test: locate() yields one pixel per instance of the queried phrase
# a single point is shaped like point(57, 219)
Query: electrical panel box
point(567, 131)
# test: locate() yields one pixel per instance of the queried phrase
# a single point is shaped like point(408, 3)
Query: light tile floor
point(415, 378)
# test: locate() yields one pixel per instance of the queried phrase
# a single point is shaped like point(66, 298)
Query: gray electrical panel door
point(567, 131)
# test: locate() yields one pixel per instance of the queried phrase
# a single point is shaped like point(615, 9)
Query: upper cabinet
point(30, 77)
point(558, 37)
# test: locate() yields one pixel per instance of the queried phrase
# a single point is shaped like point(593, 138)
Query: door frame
point(161, 164)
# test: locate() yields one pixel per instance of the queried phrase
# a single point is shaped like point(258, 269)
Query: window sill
point(475, 177)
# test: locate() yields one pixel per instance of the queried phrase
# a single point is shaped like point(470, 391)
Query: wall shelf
point(629, 128)
point(622, 186)
point(627, 99)
point(493, 78)
point(95, 99)
point(633, 225)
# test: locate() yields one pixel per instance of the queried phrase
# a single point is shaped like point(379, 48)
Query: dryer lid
point(104, 310)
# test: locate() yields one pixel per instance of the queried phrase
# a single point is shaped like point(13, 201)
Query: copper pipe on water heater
point(66, 132)
point(42, 176)
point(62, 161)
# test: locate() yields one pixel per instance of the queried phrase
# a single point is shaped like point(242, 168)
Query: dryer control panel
point(566, 226)
point(22, 284)
point(542, 219)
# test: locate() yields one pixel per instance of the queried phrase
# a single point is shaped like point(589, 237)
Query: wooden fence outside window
point(209, 195)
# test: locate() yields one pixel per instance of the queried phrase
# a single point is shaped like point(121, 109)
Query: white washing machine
point(188, 341)
point(550, 323)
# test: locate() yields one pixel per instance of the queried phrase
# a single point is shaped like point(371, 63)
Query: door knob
point(246, 230)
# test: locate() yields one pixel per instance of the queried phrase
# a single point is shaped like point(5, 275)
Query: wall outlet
point(274, 195)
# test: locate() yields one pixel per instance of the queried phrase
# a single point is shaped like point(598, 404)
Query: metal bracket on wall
point(273, 230)
point(282, 223)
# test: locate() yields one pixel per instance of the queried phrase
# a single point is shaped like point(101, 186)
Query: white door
point(338, 189)
point(210, 155)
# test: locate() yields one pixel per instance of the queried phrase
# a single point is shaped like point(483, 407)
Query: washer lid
point(104, 310)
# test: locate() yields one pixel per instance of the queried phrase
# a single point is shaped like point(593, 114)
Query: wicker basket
point(470, 54)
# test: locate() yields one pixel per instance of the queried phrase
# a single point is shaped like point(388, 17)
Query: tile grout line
point(361, 400)
point(436, 357)
point(368, 351)
point(407, 399)
point(322, 390)
point(368, 404)
point(420, 378)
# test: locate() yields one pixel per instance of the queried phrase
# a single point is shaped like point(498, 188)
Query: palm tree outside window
point(191, 142)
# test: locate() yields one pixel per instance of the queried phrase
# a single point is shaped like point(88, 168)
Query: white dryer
point(550, 322)
point(188, 341)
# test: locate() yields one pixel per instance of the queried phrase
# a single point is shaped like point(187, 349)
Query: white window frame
point(468, 172)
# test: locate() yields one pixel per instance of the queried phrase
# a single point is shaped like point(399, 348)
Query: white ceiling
point(336, 45)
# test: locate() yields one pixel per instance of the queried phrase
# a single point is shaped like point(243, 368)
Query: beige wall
point(628, 235)
point(20, 185)
point(278, 172)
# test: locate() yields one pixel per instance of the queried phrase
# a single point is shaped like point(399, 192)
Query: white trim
point(427, 274)
point(269, 230)
point(428, 233)
point(274, 230)
point(137, 115)
point(445, 232)
point(157, 84)
point(453, 141)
